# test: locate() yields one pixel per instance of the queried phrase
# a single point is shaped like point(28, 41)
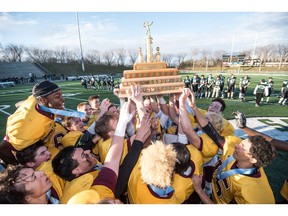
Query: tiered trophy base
point(154, 79)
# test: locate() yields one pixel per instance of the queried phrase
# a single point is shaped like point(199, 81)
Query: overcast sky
point(171, 31)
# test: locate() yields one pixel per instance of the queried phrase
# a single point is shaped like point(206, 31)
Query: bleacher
point(19, 69)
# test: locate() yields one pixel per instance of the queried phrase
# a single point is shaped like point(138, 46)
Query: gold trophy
point(154, 78)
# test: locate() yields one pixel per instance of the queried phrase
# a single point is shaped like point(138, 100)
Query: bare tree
point(265, 52)
point(194, 53)
point(62, 54)
point(217, 57)
point(132, 54)
point(282, 51)
point(75, 57)
point(39, 55)
point(168, 58)
point(180, 57)
point(93, 57)
point(13, 53)
point(108, 57)
point(205, 56)
point(120, 56)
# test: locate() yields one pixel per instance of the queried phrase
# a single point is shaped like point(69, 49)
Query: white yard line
point(5, 112)
point(270, 130)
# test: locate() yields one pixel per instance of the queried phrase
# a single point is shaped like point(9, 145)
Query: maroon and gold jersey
point(183, 184)
point(141, 193)
point(70, 139)
point(77, 185)
point(228, 129)
point(54, 142)
point(28, 124)
point(57, 182)
point(209, 148)
point(238, 188)
point(103, 182)
point(103, 148)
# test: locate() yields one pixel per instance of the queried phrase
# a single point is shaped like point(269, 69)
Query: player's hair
point(111, 105)
point(220, 100)
point(261, 150)
point(93, 97)
point(102, 127)
point(217, 121)
point(80, 105)
point(182, 158)
point(28, 154)
point(157, 164)
point(11, 190)
point(63, 163)
point(67, 121)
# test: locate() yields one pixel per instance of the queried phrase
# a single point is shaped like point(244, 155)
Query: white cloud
point(105, 31)
point(8, 21)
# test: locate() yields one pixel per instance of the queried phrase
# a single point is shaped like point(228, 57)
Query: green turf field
point(74, 93)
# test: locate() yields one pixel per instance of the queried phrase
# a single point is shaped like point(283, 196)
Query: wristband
point(121, 125)
point(120, 130)
point(182, 138)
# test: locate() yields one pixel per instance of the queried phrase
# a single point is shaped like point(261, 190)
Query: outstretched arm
point(114, 154)
point(132, 156)
point(241, 123)
point(205, 124)
point(172, 112)
point(185, 122)
point(163, 105)
point(134, 94)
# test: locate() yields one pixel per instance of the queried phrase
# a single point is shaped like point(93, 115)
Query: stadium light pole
point(79, 35)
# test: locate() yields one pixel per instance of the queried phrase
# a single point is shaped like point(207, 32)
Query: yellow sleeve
point(27, 126)
point(209, 148)
point(103, 148)
point(57, 182)
point(75, 186)
point(71, 138)
point(228, 129)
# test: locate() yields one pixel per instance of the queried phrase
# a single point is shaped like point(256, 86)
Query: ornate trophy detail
point(140, 55)
point(149, 41)
point(153, 77)
point(157, 56)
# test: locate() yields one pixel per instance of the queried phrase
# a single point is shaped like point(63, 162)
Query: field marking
point(79, 99)
point(16, 91)
point(2, 107)
point(271, 130)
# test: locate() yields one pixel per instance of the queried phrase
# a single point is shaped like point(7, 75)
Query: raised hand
point(240, 119)
point(144, 131)
point(134, 93)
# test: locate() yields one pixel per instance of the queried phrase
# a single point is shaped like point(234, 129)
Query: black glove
point(240, 119)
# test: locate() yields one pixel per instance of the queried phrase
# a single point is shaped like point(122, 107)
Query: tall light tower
point(79, 35)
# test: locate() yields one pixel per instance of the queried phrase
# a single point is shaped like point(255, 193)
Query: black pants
point(259, 97)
